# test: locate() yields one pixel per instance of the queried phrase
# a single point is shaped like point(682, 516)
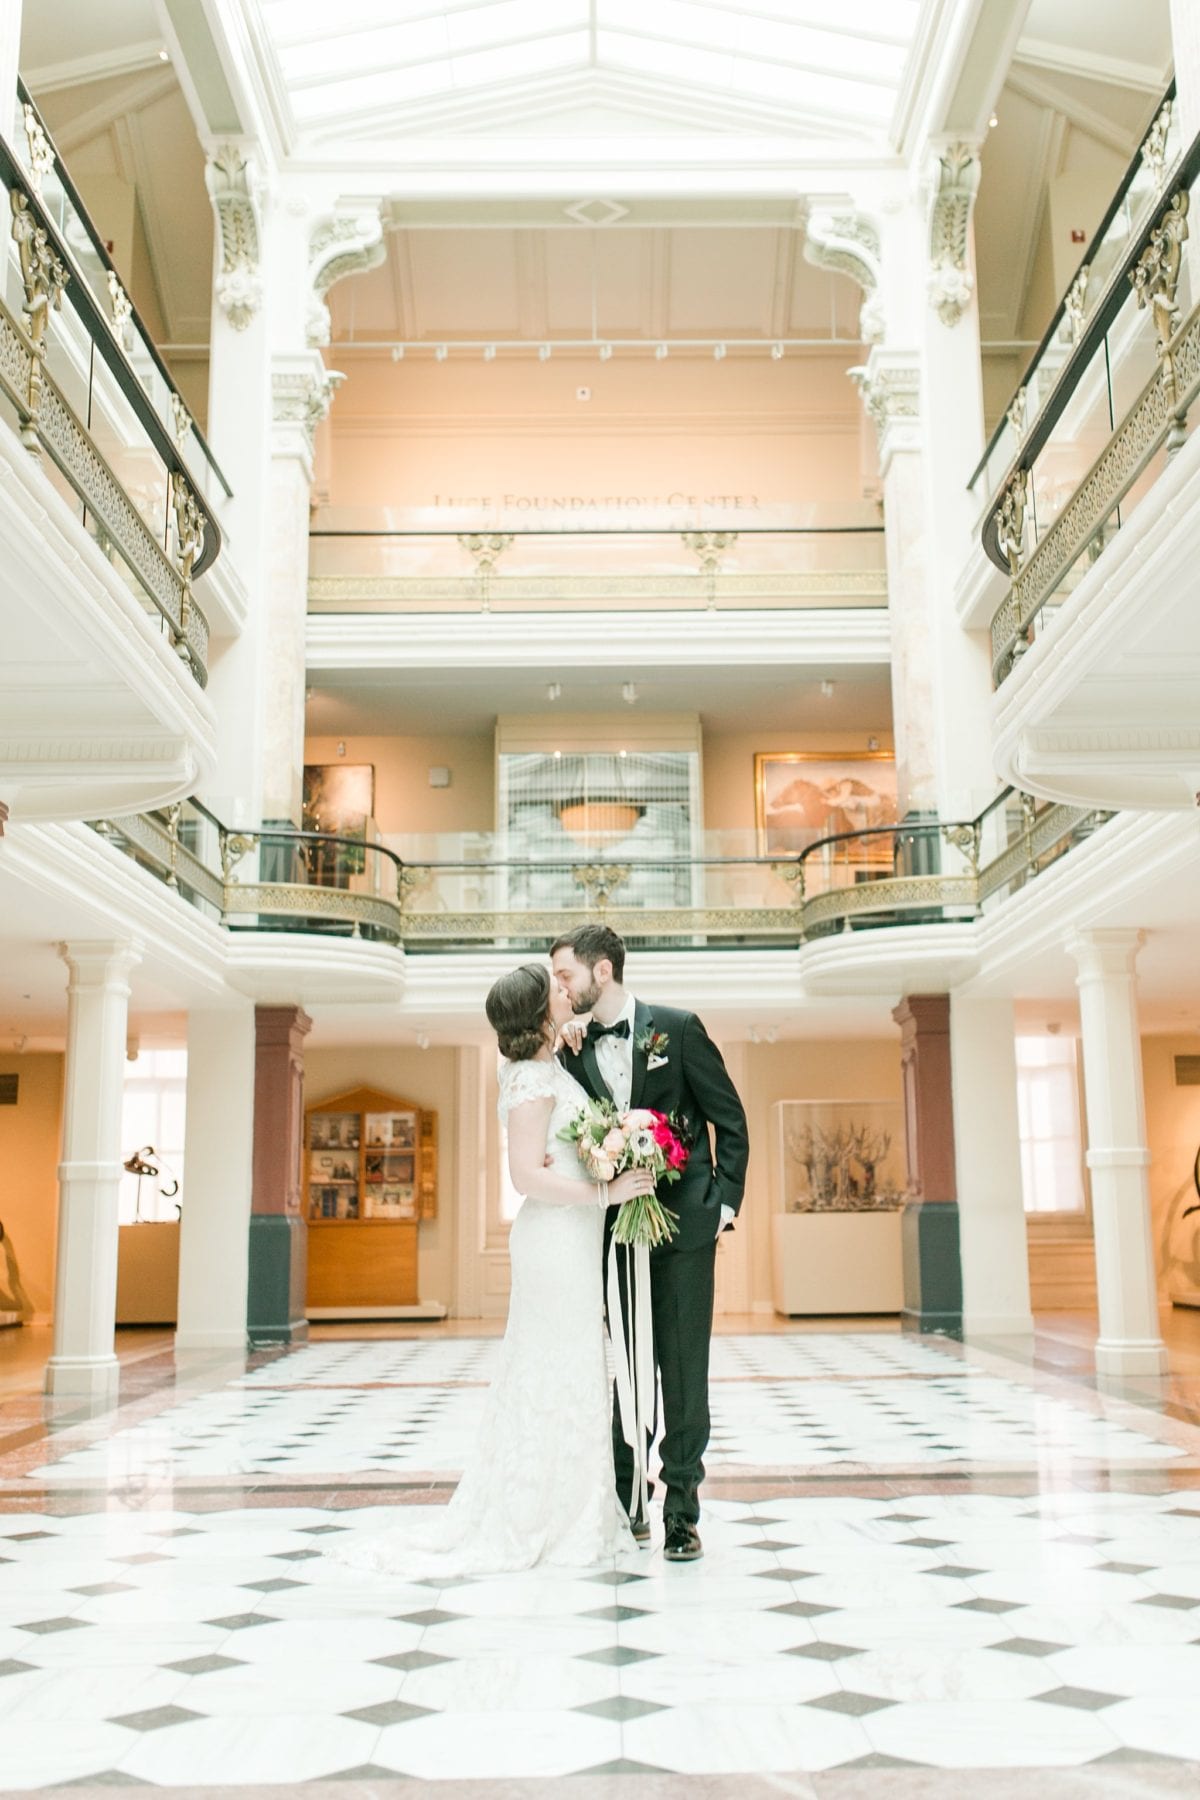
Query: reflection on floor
point(916, 1555)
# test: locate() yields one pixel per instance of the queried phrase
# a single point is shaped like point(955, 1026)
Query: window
point(152, 1113)
point(1050, 1125)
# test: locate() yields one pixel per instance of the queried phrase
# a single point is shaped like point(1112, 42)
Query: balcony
point(361, 564)
point(463, 895)
point(1096, 642)
point(105, 524)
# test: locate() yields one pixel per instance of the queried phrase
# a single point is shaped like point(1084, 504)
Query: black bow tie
point(619, 1030)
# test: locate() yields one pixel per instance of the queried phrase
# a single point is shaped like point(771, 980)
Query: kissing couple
point(557, 1472)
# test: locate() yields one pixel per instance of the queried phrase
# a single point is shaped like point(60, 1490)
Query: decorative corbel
point(301, 395)
point(235, 189)
point(343, 243)
point(889, 386)
point(848, 243)
point(954, 183)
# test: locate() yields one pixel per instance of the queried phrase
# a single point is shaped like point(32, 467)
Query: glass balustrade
point(1113, 382)
point(360, 563)
point(71, 390)
point(91, 264)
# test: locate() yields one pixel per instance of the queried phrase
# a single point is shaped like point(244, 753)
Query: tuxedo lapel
point(591, 1064)
point(643, 1023)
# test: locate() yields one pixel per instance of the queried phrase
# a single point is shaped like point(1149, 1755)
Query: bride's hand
point(571, 1035)
point(629, 1186)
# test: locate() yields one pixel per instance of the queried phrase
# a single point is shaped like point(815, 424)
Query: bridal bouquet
point(610, 1142)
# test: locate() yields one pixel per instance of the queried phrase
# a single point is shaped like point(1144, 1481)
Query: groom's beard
point(582, 1003)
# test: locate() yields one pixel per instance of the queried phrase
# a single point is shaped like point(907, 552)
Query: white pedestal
point(827, 1263)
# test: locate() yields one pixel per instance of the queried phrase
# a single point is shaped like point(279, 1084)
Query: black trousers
point(681, 1297)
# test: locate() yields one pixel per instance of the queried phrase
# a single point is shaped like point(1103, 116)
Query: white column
point(10, 46)
point(987, 1154)
point(214, 1233)
point(1130, 1342)
point(85, 1289)
point(1185, 43)
point(471, 1162)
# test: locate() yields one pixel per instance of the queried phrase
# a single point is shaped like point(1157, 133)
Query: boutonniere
point(653, 1045)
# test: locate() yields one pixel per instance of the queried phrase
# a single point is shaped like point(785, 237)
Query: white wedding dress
point(540, 1486)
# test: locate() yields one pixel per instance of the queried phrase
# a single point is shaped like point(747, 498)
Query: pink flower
point(640, 1115)
point(613, 1143)
point(676, 1156)
point(663, 1134)
point(603, 1168)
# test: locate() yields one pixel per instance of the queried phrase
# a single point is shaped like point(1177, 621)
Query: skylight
point(366, 62)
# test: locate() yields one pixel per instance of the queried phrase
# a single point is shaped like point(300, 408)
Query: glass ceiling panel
point(819, 59)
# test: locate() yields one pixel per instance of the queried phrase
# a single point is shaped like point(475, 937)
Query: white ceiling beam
point(961, 53)
point(1043, 92)
point(1091, 65)
point(102, 65)
point(442, 59)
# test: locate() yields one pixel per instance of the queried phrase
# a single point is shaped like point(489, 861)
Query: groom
point(662, 1058)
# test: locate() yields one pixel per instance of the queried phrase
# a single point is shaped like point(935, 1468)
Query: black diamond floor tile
point(242, 1621)
point(1020, 1646)
point(410, 1659)
point(155, 1718)
point(389, 1712)
point(824, 1652)
point(616, 1655)
point(856, 1706)
point(433, 1615)
point(615, 1614)
point(1082, 1699)
point(46, 1627)
point(620, 1707)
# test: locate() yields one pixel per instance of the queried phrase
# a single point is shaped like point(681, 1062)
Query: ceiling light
point(660, 351)
point(629, 693)
point(872, 743)
point(489, 353)
point(543, 352)
point(993, 122)
point(622, 753)
point(422, 1040)
point(827, 690)
point(441, 353)
point(557, 754)
point(776, 352)
point(605, 352)
point(554, 691)
point(164, 56)
point(719, 352)
point(397, 352)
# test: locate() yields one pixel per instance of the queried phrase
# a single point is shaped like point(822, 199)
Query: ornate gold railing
point(1041, 539)
point(49, 423)
point(924, 873)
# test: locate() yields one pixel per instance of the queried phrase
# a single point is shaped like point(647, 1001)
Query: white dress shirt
point(615, 1058)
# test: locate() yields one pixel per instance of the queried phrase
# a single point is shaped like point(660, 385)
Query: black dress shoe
point(683, 1542)
point(639, 1524)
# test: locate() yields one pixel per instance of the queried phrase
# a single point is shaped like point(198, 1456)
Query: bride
point(539, 1487)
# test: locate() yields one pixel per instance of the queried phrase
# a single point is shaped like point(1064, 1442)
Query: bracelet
point(601, 1193)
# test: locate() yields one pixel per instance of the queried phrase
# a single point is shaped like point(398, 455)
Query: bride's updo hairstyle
point(518, 1011)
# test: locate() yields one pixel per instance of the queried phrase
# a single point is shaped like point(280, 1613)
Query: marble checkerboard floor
point(914, 1556)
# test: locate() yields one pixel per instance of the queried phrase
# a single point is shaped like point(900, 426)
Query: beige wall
point(846, 1069)
point(466, 432)
point(1173, 1133)
point(426, 1077)
point(404, 800)
point(30, 1136)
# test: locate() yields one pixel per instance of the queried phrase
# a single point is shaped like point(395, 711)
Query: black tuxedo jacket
point(693, 1082)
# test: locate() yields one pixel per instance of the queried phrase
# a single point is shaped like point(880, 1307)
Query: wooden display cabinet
point(370, 1166)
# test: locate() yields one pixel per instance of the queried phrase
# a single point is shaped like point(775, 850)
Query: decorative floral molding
point(848, 243)
point(343, 243)
point(301, 395)
point(891, 392)
point(953, 185)
point(235, 189)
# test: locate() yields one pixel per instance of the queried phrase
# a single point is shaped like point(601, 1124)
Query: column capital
point(1102, 952)
point(302, 391)
point(951, 182)
point(889, 385)
point(281, 1025)
point(840, 238)
point(101, 962)
point(346, 241)
point(237, 189)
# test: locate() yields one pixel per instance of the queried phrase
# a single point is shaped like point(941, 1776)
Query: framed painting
point(339, 797)
point(803, 795)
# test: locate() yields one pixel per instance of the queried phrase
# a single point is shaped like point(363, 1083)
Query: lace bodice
point(521, 1081)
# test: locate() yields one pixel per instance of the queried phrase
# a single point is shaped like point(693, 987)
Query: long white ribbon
point(633, 1360)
